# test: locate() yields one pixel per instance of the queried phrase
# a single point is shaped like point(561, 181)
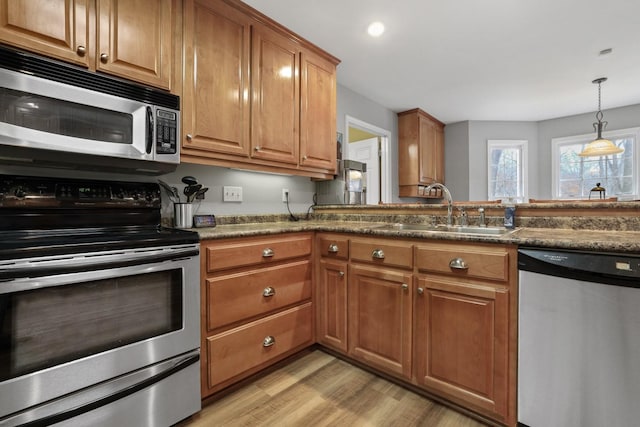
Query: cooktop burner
point(50, 216)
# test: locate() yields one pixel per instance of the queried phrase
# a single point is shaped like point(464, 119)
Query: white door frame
point(385, 158)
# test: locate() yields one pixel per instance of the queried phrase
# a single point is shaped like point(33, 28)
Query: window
point(507, 162)
point(575, 176)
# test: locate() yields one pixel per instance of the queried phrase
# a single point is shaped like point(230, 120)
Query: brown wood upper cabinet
point(256, 96)
point(130, 39)
point(420, 152)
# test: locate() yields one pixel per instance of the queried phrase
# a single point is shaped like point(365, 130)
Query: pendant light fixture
point(600, 146)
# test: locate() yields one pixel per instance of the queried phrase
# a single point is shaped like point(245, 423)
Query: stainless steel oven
point(99, 306)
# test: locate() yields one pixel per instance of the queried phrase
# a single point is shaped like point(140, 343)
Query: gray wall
point(618, 118)
point(456, 159)
point(359, 107)
point(466, 148)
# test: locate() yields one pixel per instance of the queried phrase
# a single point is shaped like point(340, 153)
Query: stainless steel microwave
point(60, 115)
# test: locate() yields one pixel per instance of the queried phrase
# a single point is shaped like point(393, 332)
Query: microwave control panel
point(166, 131)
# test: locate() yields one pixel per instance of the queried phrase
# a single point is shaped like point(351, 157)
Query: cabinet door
point(215, 113)
point(275, 82)
point(380, 318)
point(438, 158)
point(57, 28)
point(431, 154)
point(331, 304)
point(318, 146)
point(134, 40)
point(461, 342)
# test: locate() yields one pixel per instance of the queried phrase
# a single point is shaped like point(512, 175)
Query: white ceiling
point(477, 59)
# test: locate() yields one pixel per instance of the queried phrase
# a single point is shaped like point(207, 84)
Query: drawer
point(235, 253)
point(240, 296)
point(236, 351)
point(334, 247)
point(483, 262)
point(382, 252)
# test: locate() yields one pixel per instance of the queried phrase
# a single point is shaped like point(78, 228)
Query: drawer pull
point(405, 286)
point(458, 264)
point(267, 253)
point(268, 341)
point(333, 248)
point(268, 292)
point(377, 254)
point(420, 291)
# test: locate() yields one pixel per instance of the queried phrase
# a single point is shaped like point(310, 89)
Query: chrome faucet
point(447, 194)
point(463, 217)
point(482, 222)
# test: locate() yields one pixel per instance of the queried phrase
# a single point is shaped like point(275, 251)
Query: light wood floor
point(320, 390)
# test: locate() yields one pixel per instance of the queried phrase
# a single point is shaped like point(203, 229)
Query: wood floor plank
point(319, 390)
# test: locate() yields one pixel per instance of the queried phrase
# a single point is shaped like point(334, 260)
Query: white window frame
point(522, 146)
point(611, 135)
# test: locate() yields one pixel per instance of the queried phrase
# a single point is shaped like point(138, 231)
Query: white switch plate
point(231, 194)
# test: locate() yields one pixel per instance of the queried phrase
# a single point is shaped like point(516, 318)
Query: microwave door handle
point(149, 129)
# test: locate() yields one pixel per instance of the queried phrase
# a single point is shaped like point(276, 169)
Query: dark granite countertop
point(608, 241)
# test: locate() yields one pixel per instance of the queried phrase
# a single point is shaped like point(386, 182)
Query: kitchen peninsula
point(314, 268)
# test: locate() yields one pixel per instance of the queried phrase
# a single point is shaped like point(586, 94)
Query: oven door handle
point(73, 405)
point(18, 269)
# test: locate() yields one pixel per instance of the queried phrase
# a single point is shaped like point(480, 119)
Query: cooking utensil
point(189, 180)
point(191, 190)
point(171, 191)
point(200, 192)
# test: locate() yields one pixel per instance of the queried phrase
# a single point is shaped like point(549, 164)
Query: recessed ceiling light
point(375, 29)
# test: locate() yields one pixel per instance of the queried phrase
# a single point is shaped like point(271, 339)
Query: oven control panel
point(23, 191)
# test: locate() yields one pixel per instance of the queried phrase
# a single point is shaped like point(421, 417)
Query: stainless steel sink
point(470, 229)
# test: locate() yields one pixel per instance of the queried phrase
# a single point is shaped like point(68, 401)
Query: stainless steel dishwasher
point(579, 339)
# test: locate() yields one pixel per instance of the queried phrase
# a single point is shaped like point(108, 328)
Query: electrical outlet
point(231, 194)
point(285, 193)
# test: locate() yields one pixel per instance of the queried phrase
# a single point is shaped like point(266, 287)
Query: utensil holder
point(183, 215)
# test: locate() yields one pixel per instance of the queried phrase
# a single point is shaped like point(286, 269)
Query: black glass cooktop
point(34, 243)
point(49, 216)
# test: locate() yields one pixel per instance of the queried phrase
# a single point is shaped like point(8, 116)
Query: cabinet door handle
point(268, 292)
point(341, 274)
point(458, 264)
point(189, 137)
point(304, 157)
point(268, 341)
point(405, 286)
point(104, 58)
point(333, 248)
point(257, 148)
point(81, 50)
point(267, 253)
point(420, 291)
point(377, 254)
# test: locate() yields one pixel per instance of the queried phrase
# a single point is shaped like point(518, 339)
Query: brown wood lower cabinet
point(256, 305)
point(252, 346)
point(461, 342)
point(440, 315)
point(380, 318)
point(331, 303)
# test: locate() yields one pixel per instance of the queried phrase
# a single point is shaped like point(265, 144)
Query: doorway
point(369, 144)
